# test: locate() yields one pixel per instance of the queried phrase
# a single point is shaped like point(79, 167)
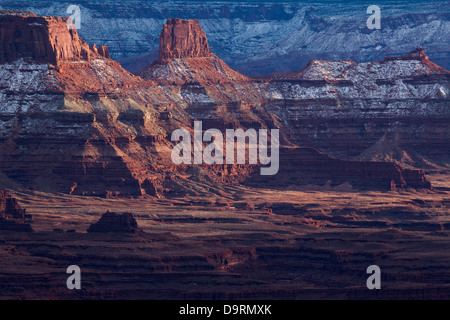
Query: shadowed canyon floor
point(255, 243)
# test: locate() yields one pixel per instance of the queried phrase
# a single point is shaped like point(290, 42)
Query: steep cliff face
point(414, 64)
point(43, 39)
point(9, 207)
point(208, 92)
point(351, 110)
point(89, 127)
point(209, 89)
point(115, 222)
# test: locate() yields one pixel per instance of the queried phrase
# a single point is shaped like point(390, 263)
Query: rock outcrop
point(43, 39)
point(413, 64)
point(185, 57)
point(183, 39)
point(9, 207)
point(416, 54)
point(115, 222)
point(12, 216)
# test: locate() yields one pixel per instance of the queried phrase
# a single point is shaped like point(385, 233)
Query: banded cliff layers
point(73, 120)
point(396, 109)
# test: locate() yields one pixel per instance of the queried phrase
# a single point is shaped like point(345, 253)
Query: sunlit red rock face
point(185, 56)
point(45, 39)
point(183, 39)
point(211, 94)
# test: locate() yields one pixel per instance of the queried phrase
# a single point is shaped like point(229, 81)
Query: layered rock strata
point(81, 124)
point(396, 109)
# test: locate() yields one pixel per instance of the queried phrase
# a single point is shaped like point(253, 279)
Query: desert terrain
point(296, 243)
point(87, 177)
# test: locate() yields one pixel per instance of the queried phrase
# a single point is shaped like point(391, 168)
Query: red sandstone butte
point(183, 39)
point(185, 57)
point(44, 39)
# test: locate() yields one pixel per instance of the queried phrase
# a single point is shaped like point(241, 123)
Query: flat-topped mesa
point(183, 39)
point(413, 64)
point(418, 56)
point(43, 39)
